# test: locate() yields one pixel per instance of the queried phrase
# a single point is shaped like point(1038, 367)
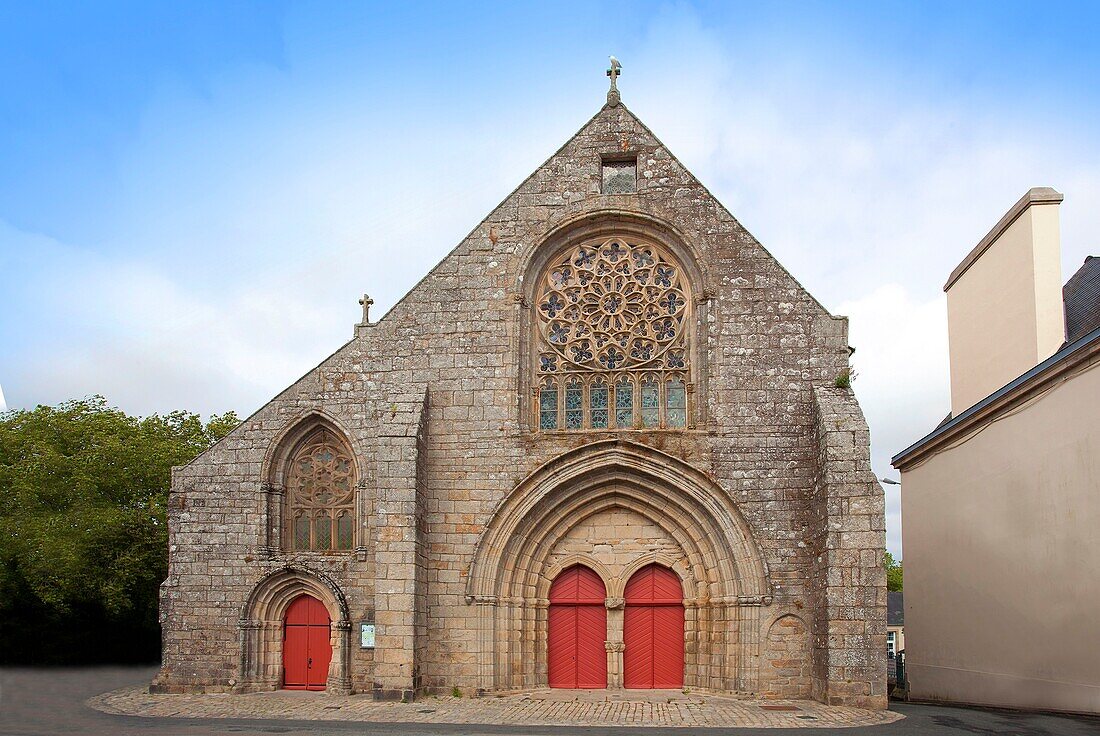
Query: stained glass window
point(624, 405)
point(548, 407)
point(598, 403)
point(675, 403)
point(321, 495)
point(613, 319)
point(344, 531)
point(574, 405)
point(651, 403)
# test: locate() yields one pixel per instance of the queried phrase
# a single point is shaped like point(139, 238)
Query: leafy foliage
point(845, 378)
point(83, 539)
point(893, 573)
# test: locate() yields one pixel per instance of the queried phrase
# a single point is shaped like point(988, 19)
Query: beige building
point(1001, 502)
point(599, 445)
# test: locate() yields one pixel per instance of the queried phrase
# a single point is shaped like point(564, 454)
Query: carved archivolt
point(722, 570)
point(261, 626)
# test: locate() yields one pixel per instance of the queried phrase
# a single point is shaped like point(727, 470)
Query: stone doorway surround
point(712, 550)
point(261, 627)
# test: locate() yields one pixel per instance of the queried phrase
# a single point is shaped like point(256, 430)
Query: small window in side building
point(620, 177)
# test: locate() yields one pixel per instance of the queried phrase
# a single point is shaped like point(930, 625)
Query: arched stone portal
point(706, 542)
point(262, 622)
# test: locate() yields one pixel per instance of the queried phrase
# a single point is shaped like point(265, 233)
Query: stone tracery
point(612, 312)
point(321, 495)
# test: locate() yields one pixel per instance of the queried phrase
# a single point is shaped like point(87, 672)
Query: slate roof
point(1081, 296)
point(895, 610)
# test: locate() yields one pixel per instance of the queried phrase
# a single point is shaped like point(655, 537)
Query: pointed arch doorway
point(307, 647)
point(577, 656)
point(653, 630)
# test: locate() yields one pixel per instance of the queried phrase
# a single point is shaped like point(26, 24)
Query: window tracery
point(612, 330)
point(320, 492)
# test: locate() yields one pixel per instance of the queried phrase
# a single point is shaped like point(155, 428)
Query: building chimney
point(1004, 301)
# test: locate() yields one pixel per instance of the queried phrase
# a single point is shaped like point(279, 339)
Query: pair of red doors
point(653, 630)
point(307, 649)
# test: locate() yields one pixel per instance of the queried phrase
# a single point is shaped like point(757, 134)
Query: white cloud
point(902, 377)
point(252, 216)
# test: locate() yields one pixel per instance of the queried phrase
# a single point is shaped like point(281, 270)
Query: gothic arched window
point(320, 495)
point(612, 326)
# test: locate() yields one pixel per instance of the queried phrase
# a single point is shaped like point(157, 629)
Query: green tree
point(893, 573)
point(83, 539)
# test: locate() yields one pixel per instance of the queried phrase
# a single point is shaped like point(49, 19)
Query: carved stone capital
point(614, 603)
point(272, 489)
point(481, 600)
point(754, 600)
point(614, 646)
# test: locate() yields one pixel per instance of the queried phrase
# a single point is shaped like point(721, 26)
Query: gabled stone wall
point(435, 401)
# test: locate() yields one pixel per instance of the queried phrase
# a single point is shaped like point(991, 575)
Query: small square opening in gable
point(620, 176)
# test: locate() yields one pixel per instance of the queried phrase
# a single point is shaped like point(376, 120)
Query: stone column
point(273, 523)
point(541, 626)
point(250, 674)
point(339, 679)
point(616, 614)
point(486, 614)
point(615, 651)
point(748, 636)
point(693, 652)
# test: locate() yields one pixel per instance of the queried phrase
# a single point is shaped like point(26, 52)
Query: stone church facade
point(599, 445)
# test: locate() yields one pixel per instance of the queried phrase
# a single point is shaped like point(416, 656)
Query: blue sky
point(193, 196)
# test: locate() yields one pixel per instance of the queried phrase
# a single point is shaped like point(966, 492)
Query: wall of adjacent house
point(1004, 311)
point(1002, 535)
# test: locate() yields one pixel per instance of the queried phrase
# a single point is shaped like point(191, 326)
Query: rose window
point(616, 307)
point(611, 306)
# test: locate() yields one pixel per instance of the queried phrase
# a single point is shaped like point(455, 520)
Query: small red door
point(653, 630)
point(577, 657)
point(306, 646)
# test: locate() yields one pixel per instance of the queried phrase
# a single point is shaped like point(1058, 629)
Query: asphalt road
point(40, 702)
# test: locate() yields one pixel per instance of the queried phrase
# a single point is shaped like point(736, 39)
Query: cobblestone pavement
point(48, 702)
point(542, 708)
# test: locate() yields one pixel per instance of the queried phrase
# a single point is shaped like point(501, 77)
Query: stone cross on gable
point(613, 73)
point(366, 301)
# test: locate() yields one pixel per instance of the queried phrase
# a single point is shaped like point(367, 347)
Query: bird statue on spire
point(614, 72)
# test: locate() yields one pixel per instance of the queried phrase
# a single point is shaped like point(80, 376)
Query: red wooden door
point(653, 630)
point(307, 650)
point(577, 626)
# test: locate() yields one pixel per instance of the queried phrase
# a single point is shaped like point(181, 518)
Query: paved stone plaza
point(47, 702)
point(668, 708)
